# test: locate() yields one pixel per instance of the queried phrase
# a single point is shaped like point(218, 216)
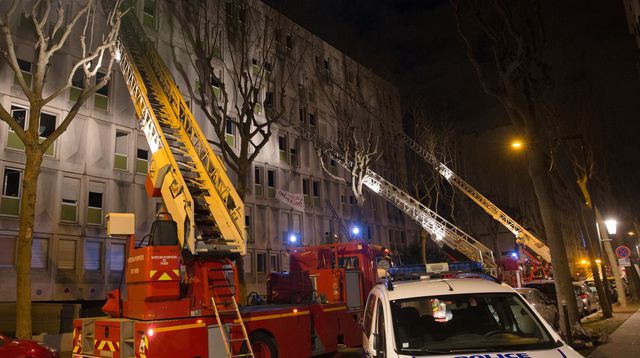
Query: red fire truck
point(186, 307)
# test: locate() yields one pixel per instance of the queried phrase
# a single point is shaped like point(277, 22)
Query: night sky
point(413, 44)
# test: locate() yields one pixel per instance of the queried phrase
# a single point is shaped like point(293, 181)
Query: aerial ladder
point(198, 196)
point(442, 231)
point(523, 236)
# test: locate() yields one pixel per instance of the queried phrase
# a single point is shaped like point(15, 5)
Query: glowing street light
point(583, 261)
point(355, 230)
point(517, 144)
point(611, 225)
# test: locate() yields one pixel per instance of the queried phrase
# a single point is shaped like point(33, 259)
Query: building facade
point(99, 165)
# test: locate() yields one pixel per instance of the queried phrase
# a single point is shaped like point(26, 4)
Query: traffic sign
point(623, 252)
point(624, 262)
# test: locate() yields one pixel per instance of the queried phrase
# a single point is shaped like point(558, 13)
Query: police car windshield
point(479, 322)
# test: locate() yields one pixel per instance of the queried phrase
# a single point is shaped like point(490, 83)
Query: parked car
point(22, 348)
point(590, 300)
point(586, 301)
point(544, 306)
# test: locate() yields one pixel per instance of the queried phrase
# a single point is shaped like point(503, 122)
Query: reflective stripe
point(261, 318)
point(336, 309)
point(177, 328)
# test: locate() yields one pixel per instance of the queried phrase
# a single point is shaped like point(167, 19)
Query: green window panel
point(216, 52)
point(257, 108)
point(120, 161)
point(74, 94)
point(216, 91)
point(50, 151)
point(10, 206)
point(27, 78)
point(283, 155)
point(94, 216)
point(14, 142)
point(306, 200)
point(271, 192)
point(69, 213)
point(255, 69)
point(316, 202)
point(101, 102)
point(230, 139)
point(142, 166)
point(258, 190)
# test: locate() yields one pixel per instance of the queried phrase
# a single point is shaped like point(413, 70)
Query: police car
point(438, 311)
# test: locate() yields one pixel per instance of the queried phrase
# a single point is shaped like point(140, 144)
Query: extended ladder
point(522, 234)
point(442, 231)
point(191, 178)
point(225, 308)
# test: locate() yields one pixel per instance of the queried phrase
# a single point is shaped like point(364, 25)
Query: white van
point(455, 317)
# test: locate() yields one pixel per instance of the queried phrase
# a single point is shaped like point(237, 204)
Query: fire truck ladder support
point(522, 235)
point(210, 214)
point(442, 231)
point(227, 313)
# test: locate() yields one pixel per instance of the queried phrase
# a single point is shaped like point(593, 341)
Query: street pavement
point(624, 341)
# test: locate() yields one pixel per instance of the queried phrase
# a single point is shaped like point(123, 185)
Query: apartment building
point(99, 165)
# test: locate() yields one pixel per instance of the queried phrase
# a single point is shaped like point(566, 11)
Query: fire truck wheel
point(263, 345)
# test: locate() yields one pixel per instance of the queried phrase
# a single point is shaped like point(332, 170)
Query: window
point(69, 205)
point(8, 252)
point(46, 126)
point(215, 84)
point(25, 69)
point(95, 202)
point(305, 190)
point(302, 113)
point(380, 326)
point(101, 98)
point(282, 147)
point(271, 183)
point(122, 147)
point(312, 119)
point(255, 99)
point(149, 13)
point(257, 179)
point(142, 161)
point(368, 314)
point(247, 224)
point(316, 193)
point(10, 204)
point(343, 202)
point(268, 100)
point(20, 115)
point(92, 255)
point(116, 257)
point(274, 263)
point(66, 255)
point(39, 253)
point(77, 85)
point(261, 262)
point(230, 131)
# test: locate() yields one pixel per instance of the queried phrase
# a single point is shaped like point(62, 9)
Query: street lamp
point(612, 226)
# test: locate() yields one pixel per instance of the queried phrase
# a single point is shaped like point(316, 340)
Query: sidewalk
point(624, 341)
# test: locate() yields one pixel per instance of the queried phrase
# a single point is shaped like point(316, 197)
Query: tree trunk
point(25, 239)
point(591, 235)
point(562, 275)
point(242, 189)
point(423, 243)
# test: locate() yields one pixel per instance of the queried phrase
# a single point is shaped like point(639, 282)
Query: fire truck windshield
point(479, 322)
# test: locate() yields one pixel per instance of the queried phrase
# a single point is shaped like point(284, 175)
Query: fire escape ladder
point(522, 234)
point(442, 231)
point(334, 214)
point(199, 193)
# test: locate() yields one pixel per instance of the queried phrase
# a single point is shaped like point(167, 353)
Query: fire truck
point(181, 297)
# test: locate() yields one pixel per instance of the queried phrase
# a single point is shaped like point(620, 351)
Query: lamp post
point(611, 226)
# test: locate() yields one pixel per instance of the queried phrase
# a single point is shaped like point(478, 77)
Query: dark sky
point(413, 44)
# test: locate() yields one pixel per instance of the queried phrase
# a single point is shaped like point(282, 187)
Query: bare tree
point(436, 134)
point(358, 131)
point(516, 74)
point(245, 55)
point(53, 28)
